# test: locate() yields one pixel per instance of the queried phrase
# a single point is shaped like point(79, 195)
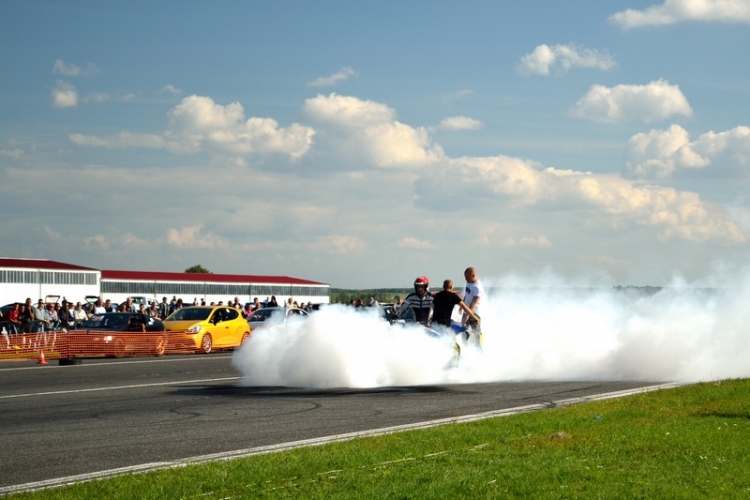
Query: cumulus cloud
point(64, 95)
point(371, 131)
point(193, 237)
point(338, 244)
point(660, 154)
point(126, 140)
point(198, 123)
point(656, 101)
point(327, 81)
point(528, 241)
point(674, 11)
point(414, 243)
point(562, 58)
point(468, 182)
point(171, 89)
point(460, 123)
point(61, 68)
point(15, 153)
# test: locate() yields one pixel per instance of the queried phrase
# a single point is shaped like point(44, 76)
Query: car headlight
point(193, 329)
point(108, 338)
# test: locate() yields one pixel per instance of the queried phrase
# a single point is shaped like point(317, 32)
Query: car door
point(222, 330)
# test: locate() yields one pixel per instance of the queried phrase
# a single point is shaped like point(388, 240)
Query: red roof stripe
point(210, 278)
point(41, 264)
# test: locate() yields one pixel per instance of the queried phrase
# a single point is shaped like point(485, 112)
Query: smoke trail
point(538, 329)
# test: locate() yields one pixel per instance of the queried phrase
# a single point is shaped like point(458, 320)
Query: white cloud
point(674, 11)
point(65, 69)
point(192, 237)
point(64, 95)
point(562, 58)
point(327, 81)
point(414, 243)
point(656, 101)
point(659, 154)
point(60, 68)
point(471, 183)
point(338, 244)
point(125, 140)
point(370, 131)
point(171, 89)
point(198, 123)
point(460, 123)
point(15, 153)
point(528, 241)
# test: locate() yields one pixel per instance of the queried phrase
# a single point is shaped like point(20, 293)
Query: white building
point(119, 285)
point(38, 278)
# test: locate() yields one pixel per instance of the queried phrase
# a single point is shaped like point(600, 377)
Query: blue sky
point(364, 144)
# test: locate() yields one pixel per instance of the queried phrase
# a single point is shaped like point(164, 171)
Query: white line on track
point(135, 386)
point(229, 455)
point(192, 359)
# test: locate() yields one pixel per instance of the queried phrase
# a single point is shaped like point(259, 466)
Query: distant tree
point(197, 269)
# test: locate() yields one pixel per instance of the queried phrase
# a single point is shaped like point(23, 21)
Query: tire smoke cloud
point(534, 329)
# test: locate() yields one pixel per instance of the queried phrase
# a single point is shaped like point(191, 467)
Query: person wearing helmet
point(420, 302)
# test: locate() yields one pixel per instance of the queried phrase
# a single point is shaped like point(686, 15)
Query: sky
point(364, 144)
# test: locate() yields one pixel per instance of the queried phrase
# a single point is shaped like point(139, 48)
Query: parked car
point(275, 315)
point(117, 335)
point(205, 328)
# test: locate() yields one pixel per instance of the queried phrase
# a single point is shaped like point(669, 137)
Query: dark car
point(118, 334)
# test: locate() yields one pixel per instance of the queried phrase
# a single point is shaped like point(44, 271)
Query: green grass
point(689, 442)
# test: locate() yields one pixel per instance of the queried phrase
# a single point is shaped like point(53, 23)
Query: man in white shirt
point(473, 295)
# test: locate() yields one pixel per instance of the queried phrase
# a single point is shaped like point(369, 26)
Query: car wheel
point(159, 347)
point(245, 336)
point(207, 343)
point(119, 349)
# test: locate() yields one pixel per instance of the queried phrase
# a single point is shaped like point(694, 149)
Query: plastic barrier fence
point(90, 343)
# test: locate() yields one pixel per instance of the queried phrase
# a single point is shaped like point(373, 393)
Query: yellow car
point(205, 328)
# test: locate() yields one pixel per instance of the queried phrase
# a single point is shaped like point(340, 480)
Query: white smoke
point(534, 329)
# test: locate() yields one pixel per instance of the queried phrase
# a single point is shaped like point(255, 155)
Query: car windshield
point(190, 314)
point(112, 321)
point(263, 314)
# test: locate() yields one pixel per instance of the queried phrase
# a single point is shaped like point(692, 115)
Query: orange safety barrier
point(74, 344)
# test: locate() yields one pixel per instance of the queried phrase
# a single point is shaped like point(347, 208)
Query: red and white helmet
point(422, 281)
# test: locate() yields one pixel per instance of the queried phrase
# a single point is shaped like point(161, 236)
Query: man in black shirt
point(443, 305)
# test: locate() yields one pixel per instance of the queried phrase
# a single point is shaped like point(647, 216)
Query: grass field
point(688, 442)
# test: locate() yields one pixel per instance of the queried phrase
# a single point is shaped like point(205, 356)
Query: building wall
point(18, 284)
point(119, 290)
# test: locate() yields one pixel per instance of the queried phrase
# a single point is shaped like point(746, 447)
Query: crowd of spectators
point(38, 324)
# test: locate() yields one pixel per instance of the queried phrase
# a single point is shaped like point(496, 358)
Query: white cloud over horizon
point(61, 68)
point(460, 123)
point(64, 95)
point(360, 132)
point(657, 100)
point(198, 123)
point(674, 11)
point(562, 58)
point(327, 81)
point(661, 154)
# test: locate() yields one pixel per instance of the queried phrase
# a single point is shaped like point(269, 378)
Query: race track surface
point(60, 421)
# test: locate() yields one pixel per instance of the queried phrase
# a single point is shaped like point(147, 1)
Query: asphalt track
point(62, 421)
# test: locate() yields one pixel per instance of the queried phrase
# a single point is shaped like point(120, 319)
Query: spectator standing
point(14, 317)
point(444, 303)
point(108, 307)
point(99, 306)
point(473, 294)
point(272, 302)
point(153, 311)
point(164, 308)
point(79, 315)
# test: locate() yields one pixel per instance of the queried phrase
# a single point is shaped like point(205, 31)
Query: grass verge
point(688, 442)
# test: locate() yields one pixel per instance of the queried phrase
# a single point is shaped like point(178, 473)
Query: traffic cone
point(41, 361)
